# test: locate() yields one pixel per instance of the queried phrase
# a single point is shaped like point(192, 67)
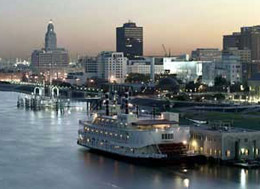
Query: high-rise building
point(50, 38)
point(231, 41)
point(248, 38)
point(112, 66)
point(129, 40)
point(51, 60)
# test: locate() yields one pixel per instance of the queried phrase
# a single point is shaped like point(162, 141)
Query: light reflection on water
point(39, 150)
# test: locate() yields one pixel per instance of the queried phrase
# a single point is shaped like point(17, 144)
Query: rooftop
point(154, 122)
point(205, 127)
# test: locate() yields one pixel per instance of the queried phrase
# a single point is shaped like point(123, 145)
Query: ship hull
point(175, 160)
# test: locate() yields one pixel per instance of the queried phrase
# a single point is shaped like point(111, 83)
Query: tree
point(220, 81)
point(138, 78)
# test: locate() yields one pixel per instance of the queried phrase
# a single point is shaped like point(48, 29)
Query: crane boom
point(164, 49)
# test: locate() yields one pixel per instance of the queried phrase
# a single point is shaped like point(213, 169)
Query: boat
point(128, 135)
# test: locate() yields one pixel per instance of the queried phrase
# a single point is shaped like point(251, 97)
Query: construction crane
point(165, 51)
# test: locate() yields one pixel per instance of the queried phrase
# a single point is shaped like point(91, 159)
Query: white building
point(112, 66)
point(185, 70)
point(233, 67)
point(143, 66)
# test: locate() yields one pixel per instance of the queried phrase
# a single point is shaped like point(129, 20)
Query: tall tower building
point(50, 37)
point(51, 61)
point(129, 40)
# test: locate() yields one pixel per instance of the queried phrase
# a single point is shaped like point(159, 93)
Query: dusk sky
point(86, 27)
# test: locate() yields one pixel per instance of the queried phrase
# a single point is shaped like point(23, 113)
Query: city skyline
point(181, 25)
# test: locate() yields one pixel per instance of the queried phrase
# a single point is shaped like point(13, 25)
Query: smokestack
point(152, 70)
point(137, 111)
point(126, 102)
point(107, 104)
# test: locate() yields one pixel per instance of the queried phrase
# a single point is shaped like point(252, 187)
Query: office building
point(206, 54)
point(245, 59)
point(50, 60)
point(143, 66)
point(231, 41)
point(129, 40)
point(90, 66)
point(247, 38)
point(233, 68)
point(112, 66)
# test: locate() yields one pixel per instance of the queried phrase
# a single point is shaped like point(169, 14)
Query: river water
point(38, 150)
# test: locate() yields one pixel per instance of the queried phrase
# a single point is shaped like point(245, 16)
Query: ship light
point(81, 137)
point(184, 142)
point(194, 144)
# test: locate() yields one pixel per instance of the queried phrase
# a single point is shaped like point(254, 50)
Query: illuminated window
point(242, 151)
point(228, 153)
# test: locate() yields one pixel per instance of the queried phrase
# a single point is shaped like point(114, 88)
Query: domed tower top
point(50, 26)
point(50, 37)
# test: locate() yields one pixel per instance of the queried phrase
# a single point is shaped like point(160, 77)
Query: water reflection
point(243, 178)
point(186, 183)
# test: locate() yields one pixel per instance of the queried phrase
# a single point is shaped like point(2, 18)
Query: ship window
point(167, 136)
point(228, 153)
